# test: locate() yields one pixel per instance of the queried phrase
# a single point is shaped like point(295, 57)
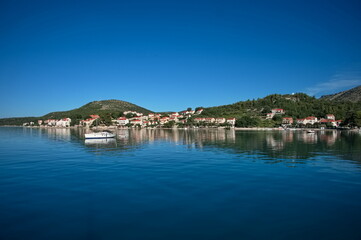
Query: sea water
point(180, 184)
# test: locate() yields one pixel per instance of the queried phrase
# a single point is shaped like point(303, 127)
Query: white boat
point(98, 135)
point(99, 141)
point(310, 131)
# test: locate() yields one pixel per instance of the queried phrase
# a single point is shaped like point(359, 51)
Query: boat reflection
point(103, 141)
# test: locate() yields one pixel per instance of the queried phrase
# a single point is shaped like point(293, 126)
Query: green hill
point(115, 107)
point(297, 105)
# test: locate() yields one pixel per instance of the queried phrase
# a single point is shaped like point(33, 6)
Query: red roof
point(310, 118)
point(326, 120)
point(289, 118)
point(95, 116)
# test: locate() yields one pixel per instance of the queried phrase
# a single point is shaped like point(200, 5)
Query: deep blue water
point(179, 184)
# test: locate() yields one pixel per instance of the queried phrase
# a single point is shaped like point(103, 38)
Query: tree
point(247, 121)
point(266, 109)
point(106, 119)
point(277, 118)
point(169, 124)
point(358, 119)
point(130, 115)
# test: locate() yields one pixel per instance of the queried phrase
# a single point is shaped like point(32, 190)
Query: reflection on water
point(106, 141)
point(272, 144)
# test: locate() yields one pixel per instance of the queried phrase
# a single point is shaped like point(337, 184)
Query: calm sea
point(179, 184)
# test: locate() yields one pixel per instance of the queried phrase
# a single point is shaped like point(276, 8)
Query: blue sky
point(170, 55)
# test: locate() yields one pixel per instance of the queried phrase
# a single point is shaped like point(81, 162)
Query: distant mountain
point(352, 95)
point(99, 107)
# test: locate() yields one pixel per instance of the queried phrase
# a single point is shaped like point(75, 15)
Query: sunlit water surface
point(179, 184)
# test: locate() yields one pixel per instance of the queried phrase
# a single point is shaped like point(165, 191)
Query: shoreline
point(220, 128)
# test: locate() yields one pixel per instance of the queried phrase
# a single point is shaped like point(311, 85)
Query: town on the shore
point(187, 118)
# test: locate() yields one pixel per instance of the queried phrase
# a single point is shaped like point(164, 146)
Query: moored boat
point(98, 135)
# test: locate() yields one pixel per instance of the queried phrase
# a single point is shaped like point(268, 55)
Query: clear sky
point(170, 55)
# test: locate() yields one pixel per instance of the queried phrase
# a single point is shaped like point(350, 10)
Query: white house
point(197, 120)
point(65, 122)
point(311, 120)
point(210, 120)
point(333, 123)
point(164, 120)
point(330, 116)
point(50, 122)
point(287, 120)
point(122, 121)
point(220, 120)
point(231, 121)
point(136, 122)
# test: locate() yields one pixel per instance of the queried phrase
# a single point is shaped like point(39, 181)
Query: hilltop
point(115, 107)
point(351, 95)
point(99, 107)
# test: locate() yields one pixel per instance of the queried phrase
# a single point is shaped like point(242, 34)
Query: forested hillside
point(298, 105)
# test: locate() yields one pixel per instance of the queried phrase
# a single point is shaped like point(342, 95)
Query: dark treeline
point(17, 121)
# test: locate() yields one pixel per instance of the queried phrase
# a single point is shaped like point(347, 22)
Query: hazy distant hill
point(98, 107)
point(352, 95)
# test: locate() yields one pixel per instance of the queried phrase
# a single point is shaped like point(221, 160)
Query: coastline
point(219, 128)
